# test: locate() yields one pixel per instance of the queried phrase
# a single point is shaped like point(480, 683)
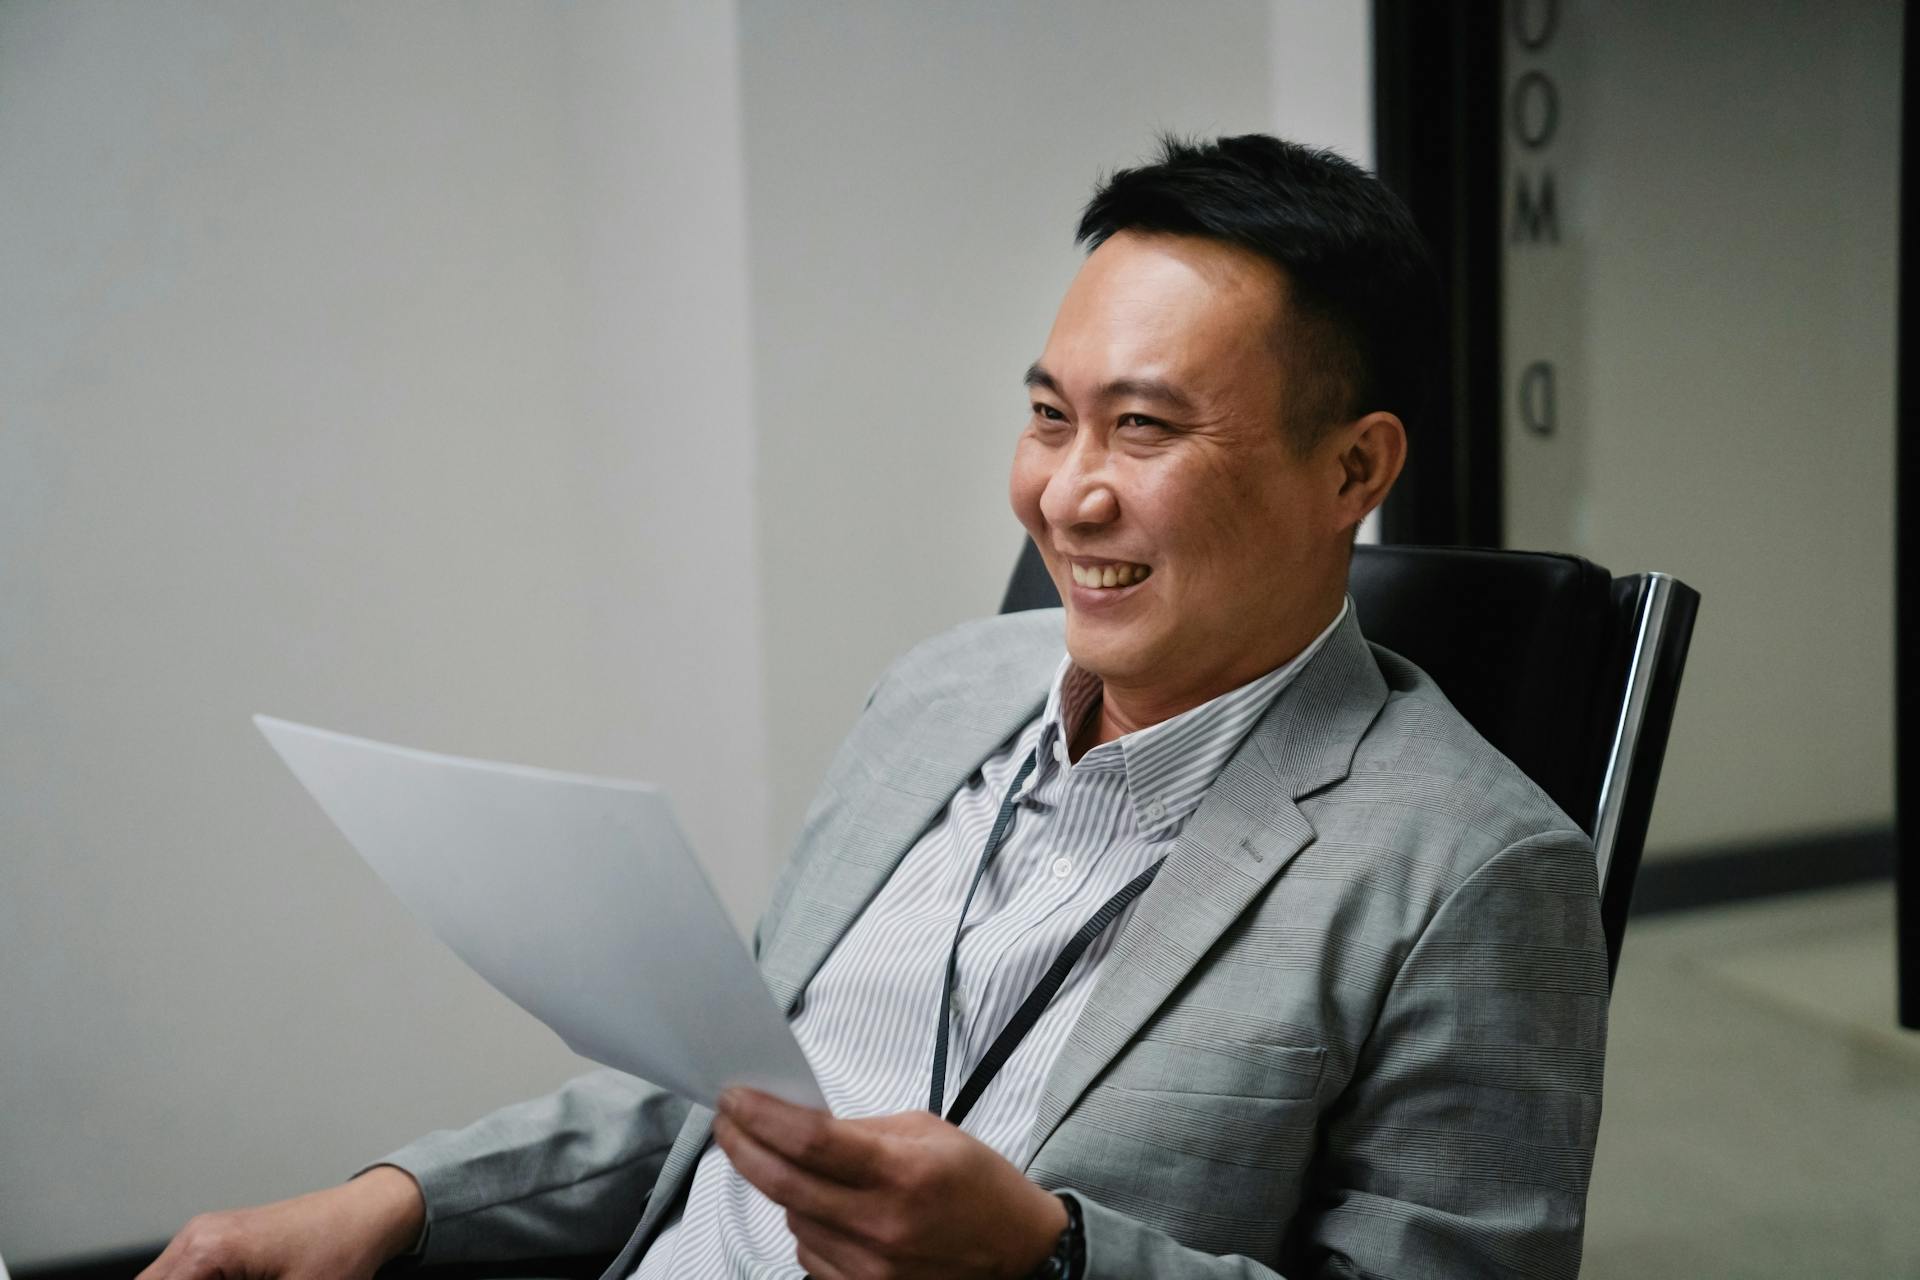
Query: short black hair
point(1362, 289)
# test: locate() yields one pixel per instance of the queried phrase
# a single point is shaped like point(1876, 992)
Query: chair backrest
point(1569, 672)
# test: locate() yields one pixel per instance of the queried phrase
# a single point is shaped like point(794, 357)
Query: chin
point(1100, 652)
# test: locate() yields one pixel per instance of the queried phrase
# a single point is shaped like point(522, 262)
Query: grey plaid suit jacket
point(1355, 1027)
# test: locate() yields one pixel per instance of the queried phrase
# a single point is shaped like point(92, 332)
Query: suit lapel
point(675, 1173)
point(931, 749)
point(1243, 834)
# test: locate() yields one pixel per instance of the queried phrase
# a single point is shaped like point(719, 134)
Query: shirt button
point(1155, 810)
point(1062, 868)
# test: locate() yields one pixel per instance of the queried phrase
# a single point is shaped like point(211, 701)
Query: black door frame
point(1437, 139)
point(1906, 551)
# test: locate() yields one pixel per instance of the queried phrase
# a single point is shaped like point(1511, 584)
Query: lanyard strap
point(994, 838)
point(1036, 1003)
point(1043, 992)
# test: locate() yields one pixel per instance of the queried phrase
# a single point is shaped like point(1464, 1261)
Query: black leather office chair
point(1570, 672)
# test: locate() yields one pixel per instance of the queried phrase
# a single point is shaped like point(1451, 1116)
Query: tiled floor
point(1762, 1113)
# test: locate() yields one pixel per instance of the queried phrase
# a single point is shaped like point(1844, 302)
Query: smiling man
point(1179, 932)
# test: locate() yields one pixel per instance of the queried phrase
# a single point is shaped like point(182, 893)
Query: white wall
point(1723, 301)
point(914, 175)
point(1320, 74)
point(382, 366)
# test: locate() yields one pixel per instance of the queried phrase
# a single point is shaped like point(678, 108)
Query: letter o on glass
point(1534, 105)
point(1535, 23)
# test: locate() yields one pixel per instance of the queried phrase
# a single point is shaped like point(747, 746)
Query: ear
point(1373, 449)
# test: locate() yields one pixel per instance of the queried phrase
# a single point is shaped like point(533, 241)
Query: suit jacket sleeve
point(564, 1174)
point(1462, 1144)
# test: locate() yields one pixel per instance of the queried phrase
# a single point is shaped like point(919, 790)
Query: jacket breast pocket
point(1244, 1070)
point(1207, 1143)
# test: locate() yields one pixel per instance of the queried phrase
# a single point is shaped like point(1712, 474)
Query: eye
point(1048, 412)
point(1142, 420)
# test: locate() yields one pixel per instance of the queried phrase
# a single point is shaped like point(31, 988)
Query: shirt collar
point(1169, 766)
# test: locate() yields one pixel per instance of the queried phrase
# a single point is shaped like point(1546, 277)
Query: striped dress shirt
point(1081, 831)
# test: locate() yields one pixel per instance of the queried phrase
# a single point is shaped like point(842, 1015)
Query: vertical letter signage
point(1543, 298)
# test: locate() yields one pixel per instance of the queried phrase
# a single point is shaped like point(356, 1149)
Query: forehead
point(1181, 308)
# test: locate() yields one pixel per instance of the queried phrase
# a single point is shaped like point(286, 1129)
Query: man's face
point(1156, 458)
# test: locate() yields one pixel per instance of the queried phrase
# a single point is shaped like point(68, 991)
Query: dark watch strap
point(1068, 1261)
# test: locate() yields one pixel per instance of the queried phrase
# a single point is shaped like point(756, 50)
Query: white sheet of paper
point(577, 897)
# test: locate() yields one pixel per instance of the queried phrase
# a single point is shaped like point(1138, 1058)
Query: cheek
point(1219, 531)
point(1197, 518)
point(1025, 484)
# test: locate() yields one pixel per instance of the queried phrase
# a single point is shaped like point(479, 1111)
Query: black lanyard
point(1043, 992)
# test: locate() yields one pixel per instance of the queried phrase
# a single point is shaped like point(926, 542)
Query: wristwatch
point(1068, 1261)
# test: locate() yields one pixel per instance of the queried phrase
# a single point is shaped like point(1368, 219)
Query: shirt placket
point(1031, 898)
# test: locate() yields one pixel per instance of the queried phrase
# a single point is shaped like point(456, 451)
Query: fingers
point(161, 1268)
point(933, 1199)
point(834, 1252)
point(200, 1250)
point(817, 1267)
point(835, 1149)
point(325, 1234)
point(782, 1181)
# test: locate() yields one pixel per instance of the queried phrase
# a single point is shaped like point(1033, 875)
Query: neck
point(1127, 707)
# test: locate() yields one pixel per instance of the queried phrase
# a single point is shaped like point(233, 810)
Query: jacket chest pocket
point(1243, 1070)
point(1207, 1143)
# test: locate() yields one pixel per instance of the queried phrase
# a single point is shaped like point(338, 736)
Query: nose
point(1080, 491)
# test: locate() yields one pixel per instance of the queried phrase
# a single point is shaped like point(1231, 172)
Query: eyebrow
point(1154, 389)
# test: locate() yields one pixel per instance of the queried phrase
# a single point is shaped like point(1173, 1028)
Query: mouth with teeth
point(1108, 576)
